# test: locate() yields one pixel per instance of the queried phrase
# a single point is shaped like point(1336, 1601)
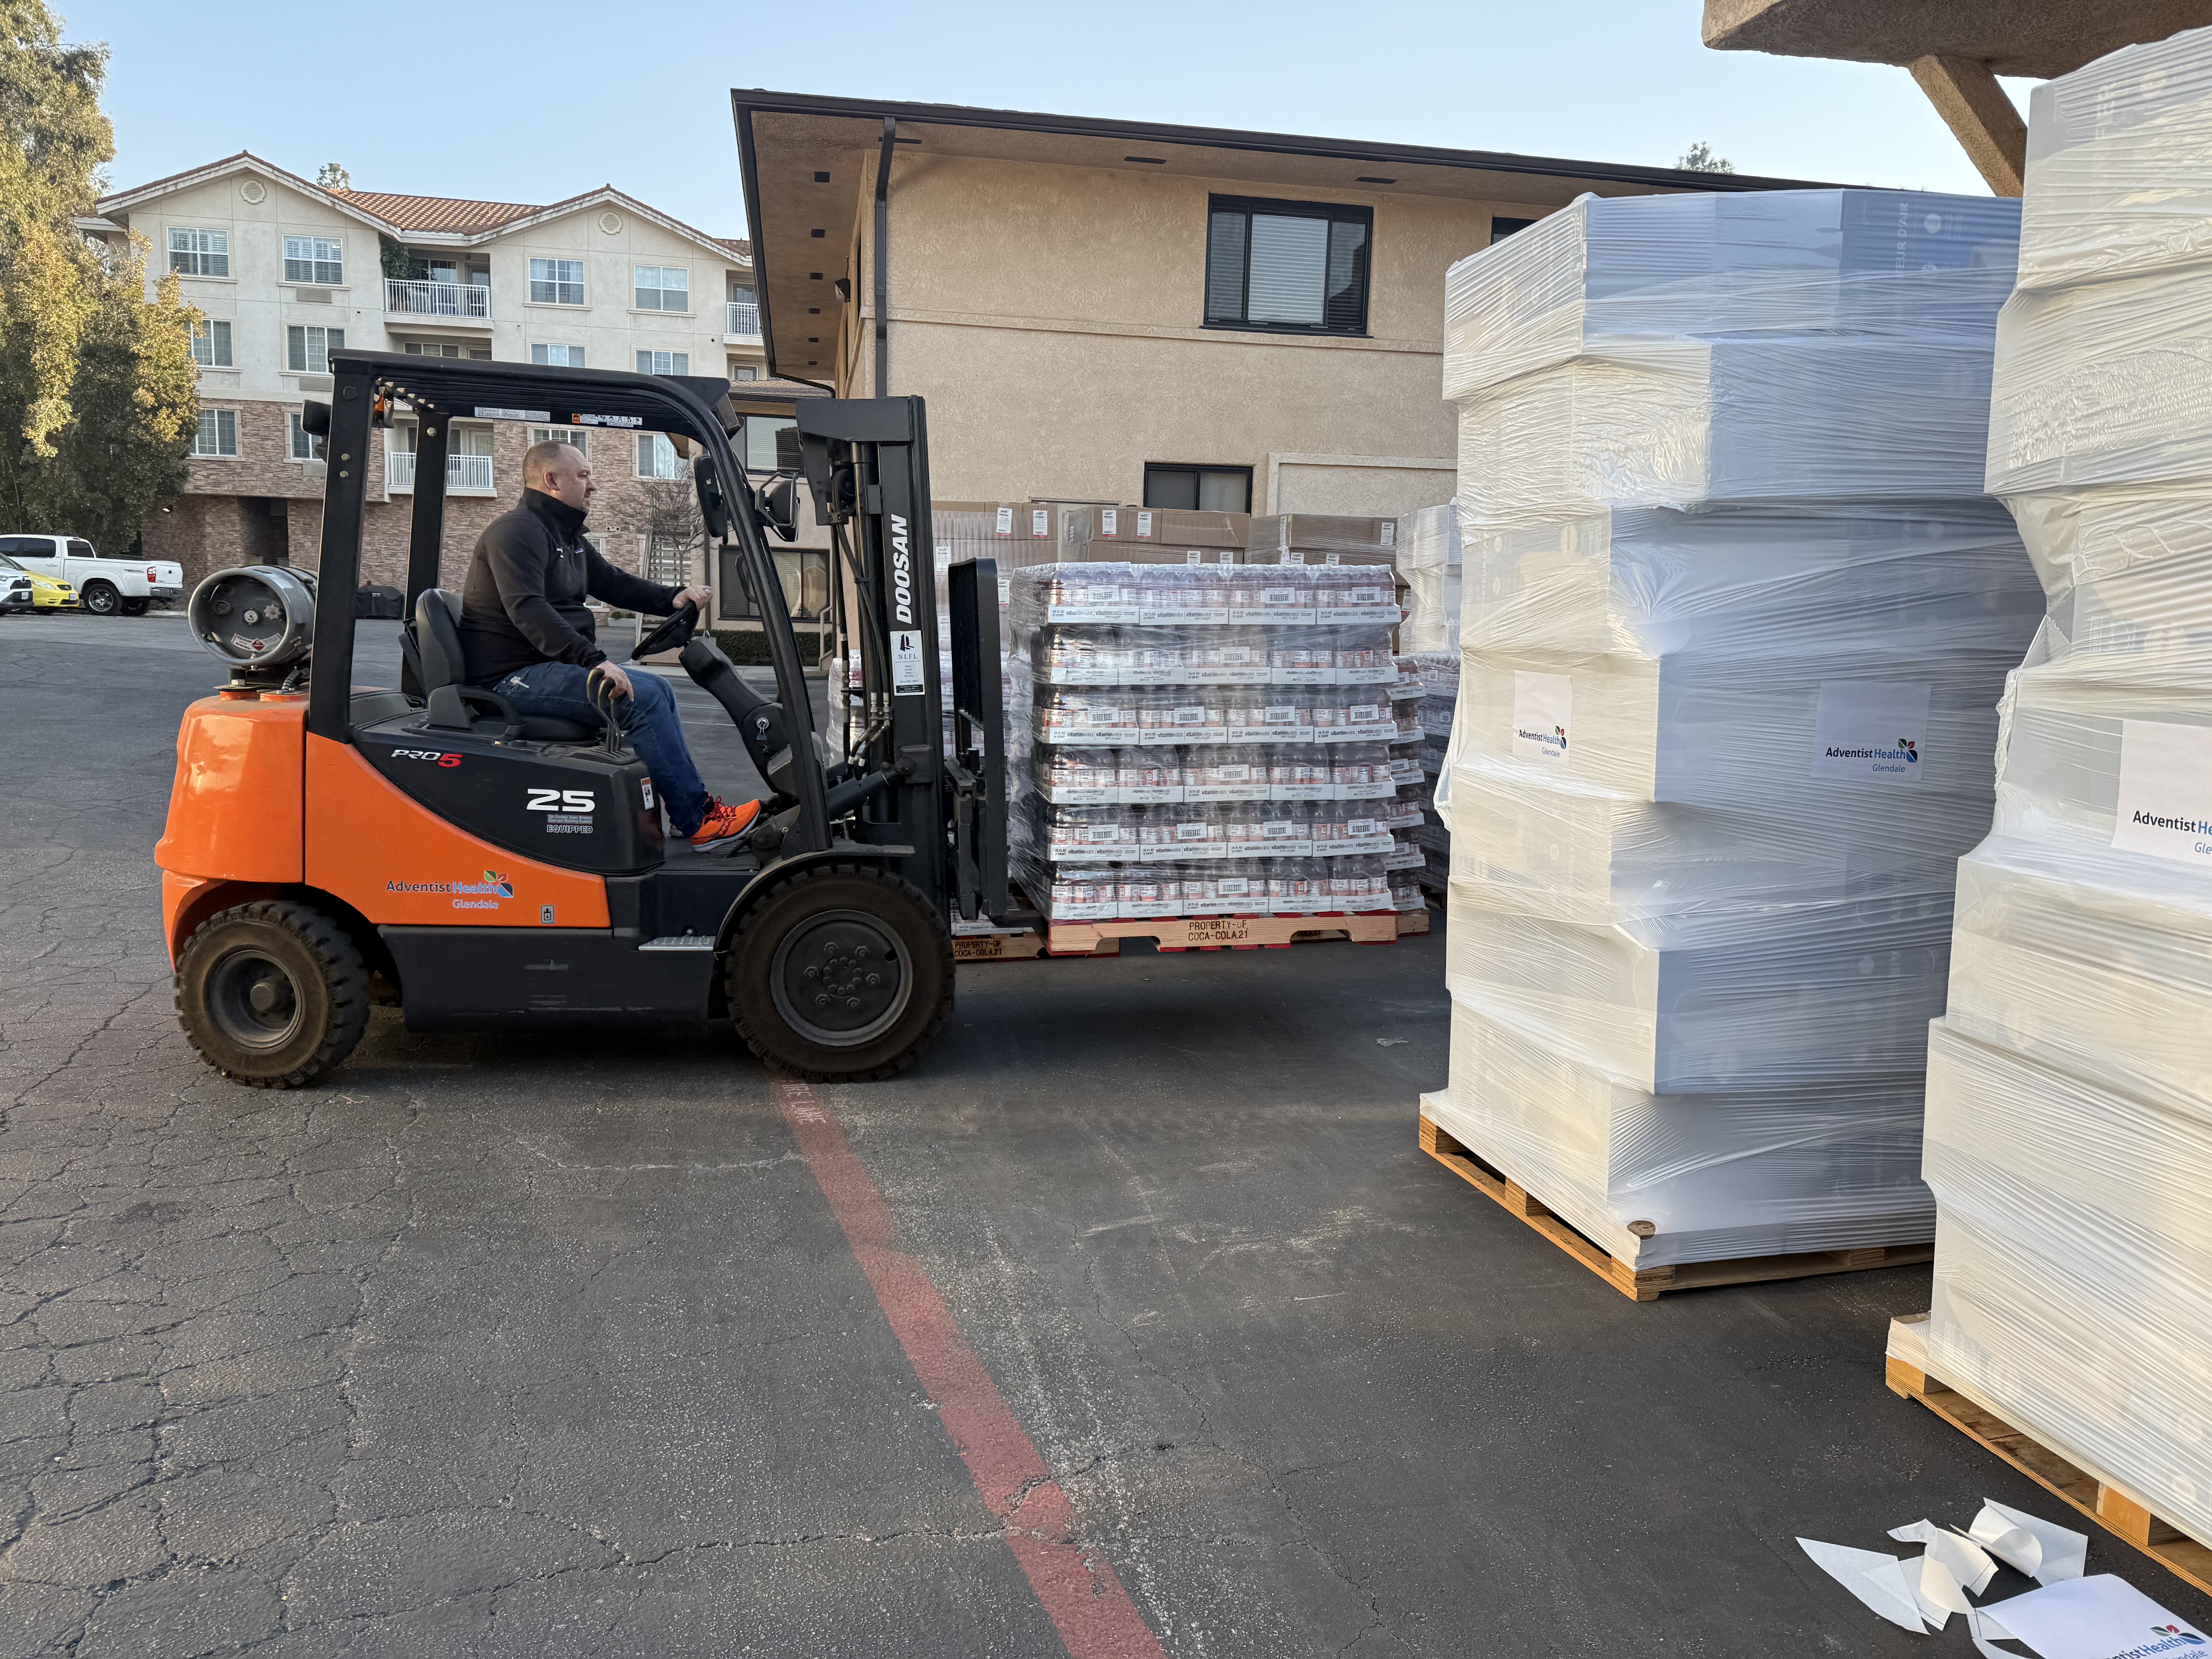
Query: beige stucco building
point(1130, 313)
point(284, 271)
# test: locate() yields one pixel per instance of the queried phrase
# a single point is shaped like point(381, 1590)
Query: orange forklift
point(329, 847)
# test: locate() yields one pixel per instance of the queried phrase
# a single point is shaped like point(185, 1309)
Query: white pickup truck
point(107, 587)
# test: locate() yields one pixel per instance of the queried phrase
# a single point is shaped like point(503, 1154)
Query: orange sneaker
point(723, 823)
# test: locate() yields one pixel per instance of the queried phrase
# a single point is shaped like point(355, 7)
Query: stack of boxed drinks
point(1428, 642)
point(1736, 614)
point(2069, 1085)
point(1200, 738)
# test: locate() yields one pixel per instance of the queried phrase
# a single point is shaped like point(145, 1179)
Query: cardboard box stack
point(1200, 738)
point(2069, 1085)
point(1736, 613)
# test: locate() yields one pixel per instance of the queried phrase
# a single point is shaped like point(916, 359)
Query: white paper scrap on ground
point(1867, 1574)
point(2099, 1618)
point(2060, 1553)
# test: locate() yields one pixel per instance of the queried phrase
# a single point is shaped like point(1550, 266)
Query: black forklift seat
point(438, 641)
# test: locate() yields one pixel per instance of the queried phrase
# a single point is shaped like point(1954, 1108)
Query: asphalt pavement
point(555, 1345)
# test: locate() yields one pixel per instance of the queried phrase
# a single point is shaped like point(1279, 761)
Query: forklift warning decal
point(906, 663)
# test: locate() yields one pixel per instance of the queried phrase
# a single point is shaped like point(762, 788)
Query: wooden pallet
point(1103, 939)
point(2118, 1511)
point(1650, 1284)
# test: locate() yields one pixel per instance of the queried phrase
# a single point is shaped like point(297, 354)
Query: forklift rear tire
point(841, 972)
point(273, 993)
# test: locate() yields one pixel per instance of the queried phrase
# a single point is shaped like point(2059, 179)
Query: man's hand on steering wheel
point(701, 597)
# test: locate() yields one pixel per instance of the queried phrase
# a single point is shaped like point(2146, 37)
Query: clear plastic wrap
point(1429, 563)
point(1715, 1176)
point(1735, 616)
point(2069, 1141)
point(2074, 1266)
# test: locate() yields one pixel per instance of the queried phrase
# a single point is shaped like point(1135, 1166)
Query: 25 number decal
point(561, 800)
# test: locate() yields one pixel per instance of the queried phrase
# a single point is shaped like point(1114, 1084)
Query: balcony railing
point(462, 472)
point(745, 318)
point(456, 300)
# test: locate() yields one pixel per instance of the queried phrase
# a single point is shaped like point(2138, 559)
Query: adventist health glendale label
point(2166, 792)
point(1543, 708)
point(1864, 729)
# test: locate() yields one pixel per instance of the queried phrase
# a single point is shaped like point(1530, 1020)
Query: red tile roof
point(436, 212)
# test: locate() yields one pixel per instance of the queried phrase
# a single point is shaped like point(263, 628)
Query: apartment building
point(1115, 311)
point(285, 271)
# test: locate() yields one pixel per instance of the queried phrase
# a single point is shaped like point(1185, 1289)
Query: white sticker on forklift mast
point(1041, 521)
point(906, 663)
point(2166, 792)
point(1543, 709)
point(1005, 525)
point(1866, 729)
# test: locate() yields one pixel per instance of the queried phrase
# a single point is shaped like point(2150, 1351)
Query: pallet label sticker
point(906, 663)
point(1865, 730)
point(1543, 710)
point(2165, 806)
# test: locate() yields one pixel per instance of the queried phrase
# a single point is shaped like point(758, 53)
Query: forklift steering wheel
point(671, 636)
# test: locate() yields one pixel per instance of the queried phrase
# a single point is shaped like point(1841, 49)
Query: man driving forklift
point(527, 635)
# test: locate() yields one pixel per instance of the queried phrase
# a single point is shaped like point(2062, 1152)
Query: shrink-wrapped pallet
point(2069, 1139)
point(1429, 564)
point(1736, 615)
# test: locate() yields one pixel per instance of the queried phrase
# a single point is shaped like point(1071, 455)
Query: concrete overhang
point(1955, 50)
point(801, 223)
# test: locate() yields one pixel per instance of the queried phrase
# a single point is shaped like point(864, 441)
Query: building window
point(657, 456)
point(664, 287)
point(1502, 228)
point(306, 445)
point(744, 372)
point(211, 345)
point(1287, 267)
point(664, 362)
point(574, 436)
point(200, 253)
point(316, 259)
point(1202, 488)
point(307, 351)
point(430, 349)
point(804, 575)
point(558, 281)
point(558, 356)
point(217, 434)
point(479, 353)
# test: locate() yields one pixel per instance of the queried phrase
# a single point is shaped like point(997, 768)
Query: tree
point(1700, 158)
point(98, 393)
point(334, 176)
point(672, 527)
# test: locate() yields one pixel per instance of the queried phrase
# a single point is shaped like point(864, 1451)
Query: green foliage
point(1700, 158)
point(98, 395)
point(399, 265)
point(334, 176)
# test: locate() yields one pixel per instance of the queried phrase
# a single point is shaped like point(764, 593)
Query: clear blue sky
point(532, 103)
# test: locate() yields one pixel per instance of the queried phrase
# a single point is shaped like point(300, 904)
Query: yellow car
point(27, 590)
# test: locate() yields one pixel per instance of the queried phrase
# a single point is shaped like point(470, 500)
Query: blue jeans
point(648, 724)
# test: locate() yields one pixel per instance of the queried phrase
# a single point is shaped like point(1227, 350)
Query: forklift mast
point(867, 465)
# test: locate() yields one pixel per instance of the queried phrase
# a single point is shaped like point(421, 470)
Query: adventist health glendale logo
point(1851, 728)
point(483, 895)
point(2168, 1638)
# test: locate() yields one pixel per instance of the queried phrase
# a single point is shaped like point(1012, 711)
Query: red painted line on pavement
point(1078, 1589)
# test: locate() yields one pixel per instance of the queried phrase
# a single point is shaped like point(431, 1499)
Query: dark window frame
point(1501, 227)
point(1194, 467)
point(1332, 212)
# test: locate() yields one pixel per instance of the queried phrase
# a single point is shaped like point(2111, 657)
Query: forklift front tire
point(841, 972)
point(273, 993)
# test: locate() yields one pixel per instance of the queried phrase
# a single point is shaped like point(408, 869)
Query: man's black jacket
point(523, 602)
